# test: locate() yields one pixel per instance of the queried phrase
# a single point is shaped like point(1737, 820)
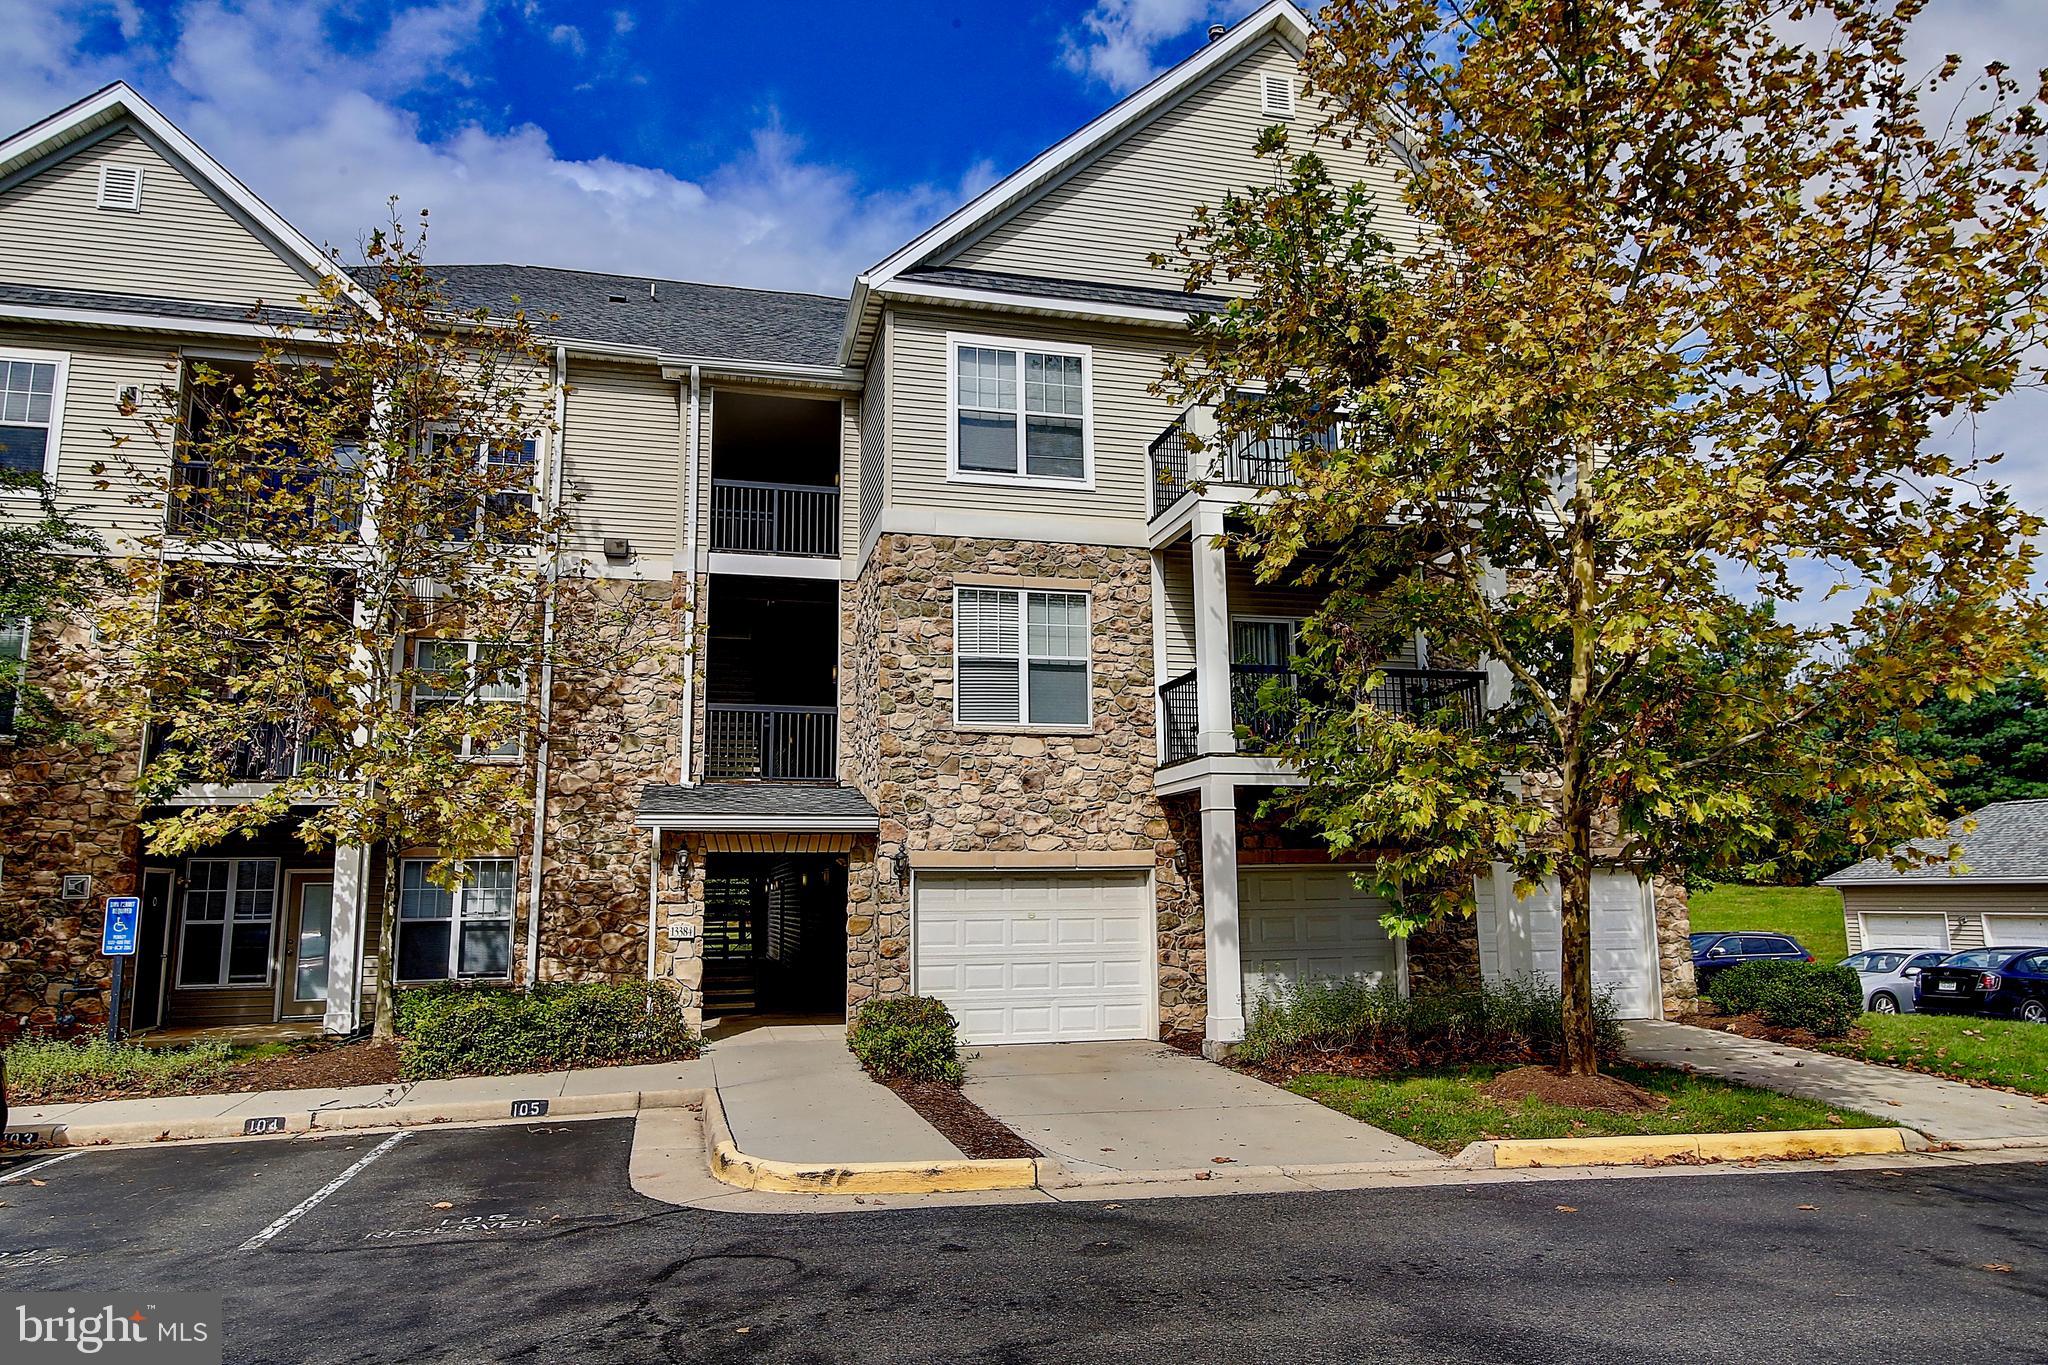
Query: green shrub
point(1497, 1020)
point(462, 1031)
point(47, 1067)
point(1823, 1000)
point(911, 1037)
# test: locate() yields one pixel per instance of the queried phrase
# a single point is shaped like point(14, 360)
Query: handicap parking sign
point(117, 938)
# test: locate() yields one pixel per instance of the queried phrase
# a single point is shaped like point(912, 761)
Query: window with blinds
point(1020, 657)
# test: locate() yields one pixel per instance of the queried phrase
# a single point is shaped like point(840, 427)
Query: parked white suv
point(1888, 975)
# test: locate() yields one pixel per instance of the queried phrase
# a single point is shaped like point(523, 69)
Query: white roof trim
point(1005, 193)
point(920, 292)
point(764, 824)
point(119, 100)
point(140, 322)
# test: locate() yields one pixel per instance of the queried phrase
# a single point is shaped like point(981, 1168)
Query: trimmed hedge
point(1823, 1000)
point(1518, 1019)
point(472, 1031)
point(908, 1037)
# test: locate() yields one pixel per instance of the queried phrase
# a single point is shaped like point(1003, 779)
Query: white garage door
point(2018, 931)
point(1526, 938)
point(1301, 924)
point(1886, 930)
point(1037, 958)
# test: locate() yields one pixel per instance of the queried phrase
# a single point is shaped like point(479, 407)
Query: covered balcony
point(1241, 466)
point(1261, 706)
point(774, 476)
point(771, 709)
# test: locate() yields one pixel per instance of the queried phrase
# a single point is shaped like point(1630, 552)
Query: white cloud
point(1118, 43)
point(323, 136)
point(567, 36)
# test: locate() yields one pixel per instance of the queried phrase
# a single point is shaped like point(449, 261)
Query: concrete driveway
point(1148, 1107)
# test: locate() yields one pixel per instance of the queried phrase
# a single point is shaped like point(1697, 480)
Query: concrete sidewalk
point(792, 1092)
point(1947, 1111)
point(172, 1110)
point(1104, 1107)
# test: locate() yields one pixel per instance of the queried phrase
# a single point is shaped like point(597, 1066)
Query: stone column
point(345, 935)
point(1214, 733)
point(1224, 1023)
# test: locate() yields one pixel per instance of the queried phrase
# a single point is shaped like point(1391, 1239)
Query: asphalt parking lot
point(526, 1242)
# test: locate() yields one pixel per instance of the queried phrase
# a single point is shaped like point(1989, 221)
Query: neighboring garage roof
point(763, 806)
point(2010, 844)
point(1070, 291)
point(681, 319)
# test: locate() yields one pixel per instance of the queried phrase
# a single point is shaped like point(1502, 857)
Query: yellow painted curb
point(747, 1172)
point(1793, 1145)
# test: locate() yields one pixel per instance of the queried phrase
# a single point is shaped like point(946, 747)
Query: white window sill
point(1083, 485)
point(1024, 729)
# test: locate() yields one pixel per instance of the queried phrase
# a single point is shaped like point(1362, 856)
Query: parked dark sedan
point(1713, 954)
point(2012, 982)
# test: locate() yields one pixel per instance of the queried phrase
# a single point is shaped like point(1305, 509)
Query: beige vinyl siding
point(98, 365)
point(1247, 597)
point(1105, 219)
point(621, 469)
point(1123, 364)
point(182, 244)
point(850, 452)
point(1965, 906)
point(1177, 620)
point(874, 440)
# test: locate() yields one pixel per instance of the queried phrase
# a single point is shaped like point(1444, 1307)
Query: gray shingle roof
point(42, 296)
point(1070, 291)
point(702, 321)
point(766, 805)
point(2010, 844)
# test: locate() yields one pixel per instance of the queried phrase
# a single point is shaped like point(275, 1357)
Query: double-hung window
point(444, 935)
point(1020, 411)
point(462, 672)
point(508, 473)
point(13, 661)
point(31, 412)
point(229, 911)
point(1020, 657)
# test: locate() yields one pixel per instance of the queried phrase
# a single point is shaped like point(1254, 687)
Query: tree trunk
point(387, 947)
point(1579, 1055)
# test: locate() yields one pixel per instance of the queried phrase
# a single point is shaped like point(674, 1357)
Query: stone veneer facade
point(995, 798)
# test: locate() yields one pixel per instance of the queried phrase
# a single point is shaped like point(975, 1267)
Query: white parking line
point(43, 1165)
point(314, 1200)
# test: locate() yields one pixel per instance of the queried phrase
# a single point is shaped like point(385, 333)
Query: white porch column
point(1214, 734)
point(1225, 1022)
point(345, 939)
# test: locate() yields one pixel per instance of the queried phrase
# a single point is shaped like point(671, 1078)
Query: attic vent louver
point(1276, 95)
point(121, 187)
point(616, 298)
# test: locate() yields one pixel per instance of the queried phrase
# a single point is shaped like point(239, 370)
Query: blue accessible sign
point(117, 939)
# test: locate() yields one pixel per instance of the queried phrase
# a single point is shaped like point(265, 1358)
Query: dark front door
point(152, 951)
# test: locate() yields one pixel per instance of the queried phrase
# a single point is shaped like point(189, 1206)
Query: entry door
point(152, 950)
point(310, 938)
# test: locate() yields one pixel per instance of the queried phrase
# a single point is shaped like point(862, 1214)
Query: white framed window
point(448, 935)
point(13, 651)
point(1020, 657)
point(120, 187)
point(455, 672)
point(227, 917)
point(1019, 412)
point(31, 414)
point(1262, 641)
point(513, 472)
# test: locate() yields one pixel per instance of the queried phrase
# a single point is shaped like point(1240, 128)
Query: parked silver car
point(1888, 975)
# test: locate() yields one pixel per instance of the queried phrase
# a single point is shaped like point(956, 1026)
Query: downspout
point(691, 459)
point(653, 898)
point(547, 670)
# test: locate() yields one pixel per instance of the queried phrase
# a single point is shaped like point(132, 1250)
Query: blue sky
point(785, 145)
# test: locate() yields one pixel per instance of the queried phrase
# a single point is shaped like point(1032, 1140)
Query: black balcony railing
point(774, 518)
point(1264, 701)
point(270, 752)
point(771, 743)
point(1169, 454)
point(243, 501)
point(1248, 462)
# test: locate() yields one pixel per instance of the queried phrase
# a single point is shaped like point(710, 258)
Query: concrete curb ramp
point(294, 1123)
point(736, 1168)
point(1678, 1148)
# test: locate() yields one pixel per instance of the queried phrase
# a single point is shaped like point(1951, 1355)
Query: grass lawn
point(1444, 1109)
point(1996, 1051)
point(1811, 914)
point(40, 1068)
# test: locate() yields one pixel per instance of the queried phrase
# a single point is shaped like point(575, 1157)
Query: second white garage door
point(1525, 938)
point(1304, 924)
point(1037, 957)
point(2016, 931)
point(1885, 930)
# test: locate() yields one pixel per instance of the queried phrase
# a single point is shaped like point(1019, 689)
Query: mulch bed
point(960, 1120)
point(1375, 1064)
point(1750, 1026)
point(1609, 1094)
point(309, 1065)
